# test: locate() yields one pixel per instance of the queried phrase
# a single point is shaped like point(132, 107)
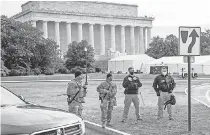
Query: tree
point(172, 43)
point(160, 47)
point(23, 47)
point(156, 48)
point(76, 56)
point(205, 43)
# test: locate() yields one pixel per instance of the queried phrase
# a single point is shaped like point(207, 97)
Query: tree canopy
point(76, 56)
point(22, 46)
point(160, 47)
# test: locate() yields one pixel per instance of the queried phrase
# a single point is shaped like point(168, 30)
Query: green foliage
point(19, 71)
point(205, 42)
point(36, 71)
point(63, 70)
point(23, 46)
point(49, 71)
point(77, 68)
point(156, 48)
point(4, 70)
point(76, 56)
point(160, 47)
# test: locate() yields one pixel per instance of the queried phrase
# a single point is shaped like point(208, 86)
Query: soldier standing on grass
point(107, 92)
point(164, 85)
point(76, 93)
point(131, 83)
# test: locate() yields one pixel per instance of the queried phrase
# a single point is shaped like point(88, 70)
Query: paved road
point(92, 132)
point(202, 94)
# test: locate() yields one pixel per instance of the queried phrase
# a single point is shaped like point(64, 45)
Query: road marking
point(107, 130)
point(208, 95)
point(186, 89)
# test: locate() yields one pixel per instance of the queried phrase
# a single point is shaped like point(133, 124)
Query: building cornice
point(81, 14)
point(131, 5)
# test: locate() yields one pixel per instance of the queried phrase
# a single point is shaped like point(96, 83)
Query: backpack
point(172, 101)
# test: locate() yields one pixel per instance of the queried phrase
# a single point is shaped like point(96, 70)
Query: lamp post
point(86, 83)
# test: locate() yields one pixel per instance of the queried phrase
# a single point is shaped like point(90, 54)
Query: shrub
point(98, 69)
point(4, 70)
point(36, 71)
point(73, 70)
point(91, 70)
point(49, 71)
point(19, 71)
point(14, 72)
point(63, 70)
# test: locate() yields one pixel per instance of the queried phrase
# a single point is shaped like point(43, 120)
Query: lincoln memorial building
point(112, 29)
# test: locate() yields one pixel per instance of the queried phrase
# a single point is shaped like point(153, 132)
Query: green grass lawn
point(71, 76)
point(48, 94)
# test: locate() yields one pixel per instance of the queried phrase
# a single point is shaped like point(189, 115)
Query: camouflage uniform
point(164, 86)
point(108, 100)
point(76, 105)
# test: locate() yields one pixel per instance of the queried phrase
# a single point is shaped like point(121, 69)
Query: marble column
point(33, 23)
point(122, 39)
point(79, 32)
point(144, 38)
point(45, 35)
point(141, 37)
point(113, 37)
point(102, 38)
point(148, 37)
point(91, 34)
point(132, 40)
point(68, 32)
point(57, 34)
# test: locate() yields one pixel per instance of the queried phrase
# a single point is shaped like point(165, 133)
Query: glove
point(106, 91)
point(158, 94)
point(84, 87)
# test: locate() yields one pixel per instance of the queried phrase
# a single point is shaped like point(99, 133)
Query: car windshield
point(8, 98)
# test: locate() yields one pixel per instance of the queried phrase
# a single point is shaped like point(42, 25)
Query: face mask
point(164, 73)
point(131, 73)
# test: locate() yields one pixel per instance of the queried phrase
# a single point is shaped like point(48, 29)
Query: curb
point(196, 98)
point(107, 130)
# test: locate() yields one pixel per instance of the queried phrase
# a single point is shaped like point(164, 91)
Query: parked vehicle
point(19, 117)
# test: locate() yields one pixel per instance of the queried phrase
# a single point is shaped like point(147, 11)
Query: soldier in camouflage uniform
point(164, 85)
point(76, 93)
point(107, 92)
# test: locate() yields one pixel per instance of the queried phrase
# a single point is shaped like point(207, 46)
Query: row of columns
point(102, 36)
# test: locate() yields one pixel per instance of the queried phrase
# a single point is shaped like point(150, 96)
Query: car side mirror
point(21, 97)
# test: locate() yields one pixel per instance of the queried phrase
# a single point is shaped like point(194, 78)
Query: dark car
point(19, 117)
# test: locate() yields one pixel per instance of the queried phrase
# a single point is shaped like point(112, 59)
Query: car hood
point(31, 118)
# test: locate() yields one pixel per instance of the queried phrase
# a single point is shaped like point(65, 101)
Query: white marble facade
point(106, 26)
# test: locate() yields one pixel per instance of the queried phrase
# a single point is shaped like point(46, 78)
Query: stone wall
point(85, 7)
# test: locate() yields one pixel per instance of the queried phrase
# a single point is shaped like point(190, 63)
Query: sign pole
point(189, 93)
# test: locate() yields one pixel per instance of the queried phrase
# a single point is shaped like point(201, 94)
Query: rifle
point(69, 102)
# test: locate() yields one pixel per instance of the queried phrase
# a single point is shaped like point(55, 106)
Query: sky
point(169, 14)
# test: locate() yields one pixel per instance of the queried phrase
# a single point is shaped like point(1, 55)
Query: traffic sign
point(189, 41)
point(185, 59)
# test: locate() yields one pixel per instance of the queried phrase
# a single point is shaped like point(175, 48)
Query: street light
point(85, 49)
